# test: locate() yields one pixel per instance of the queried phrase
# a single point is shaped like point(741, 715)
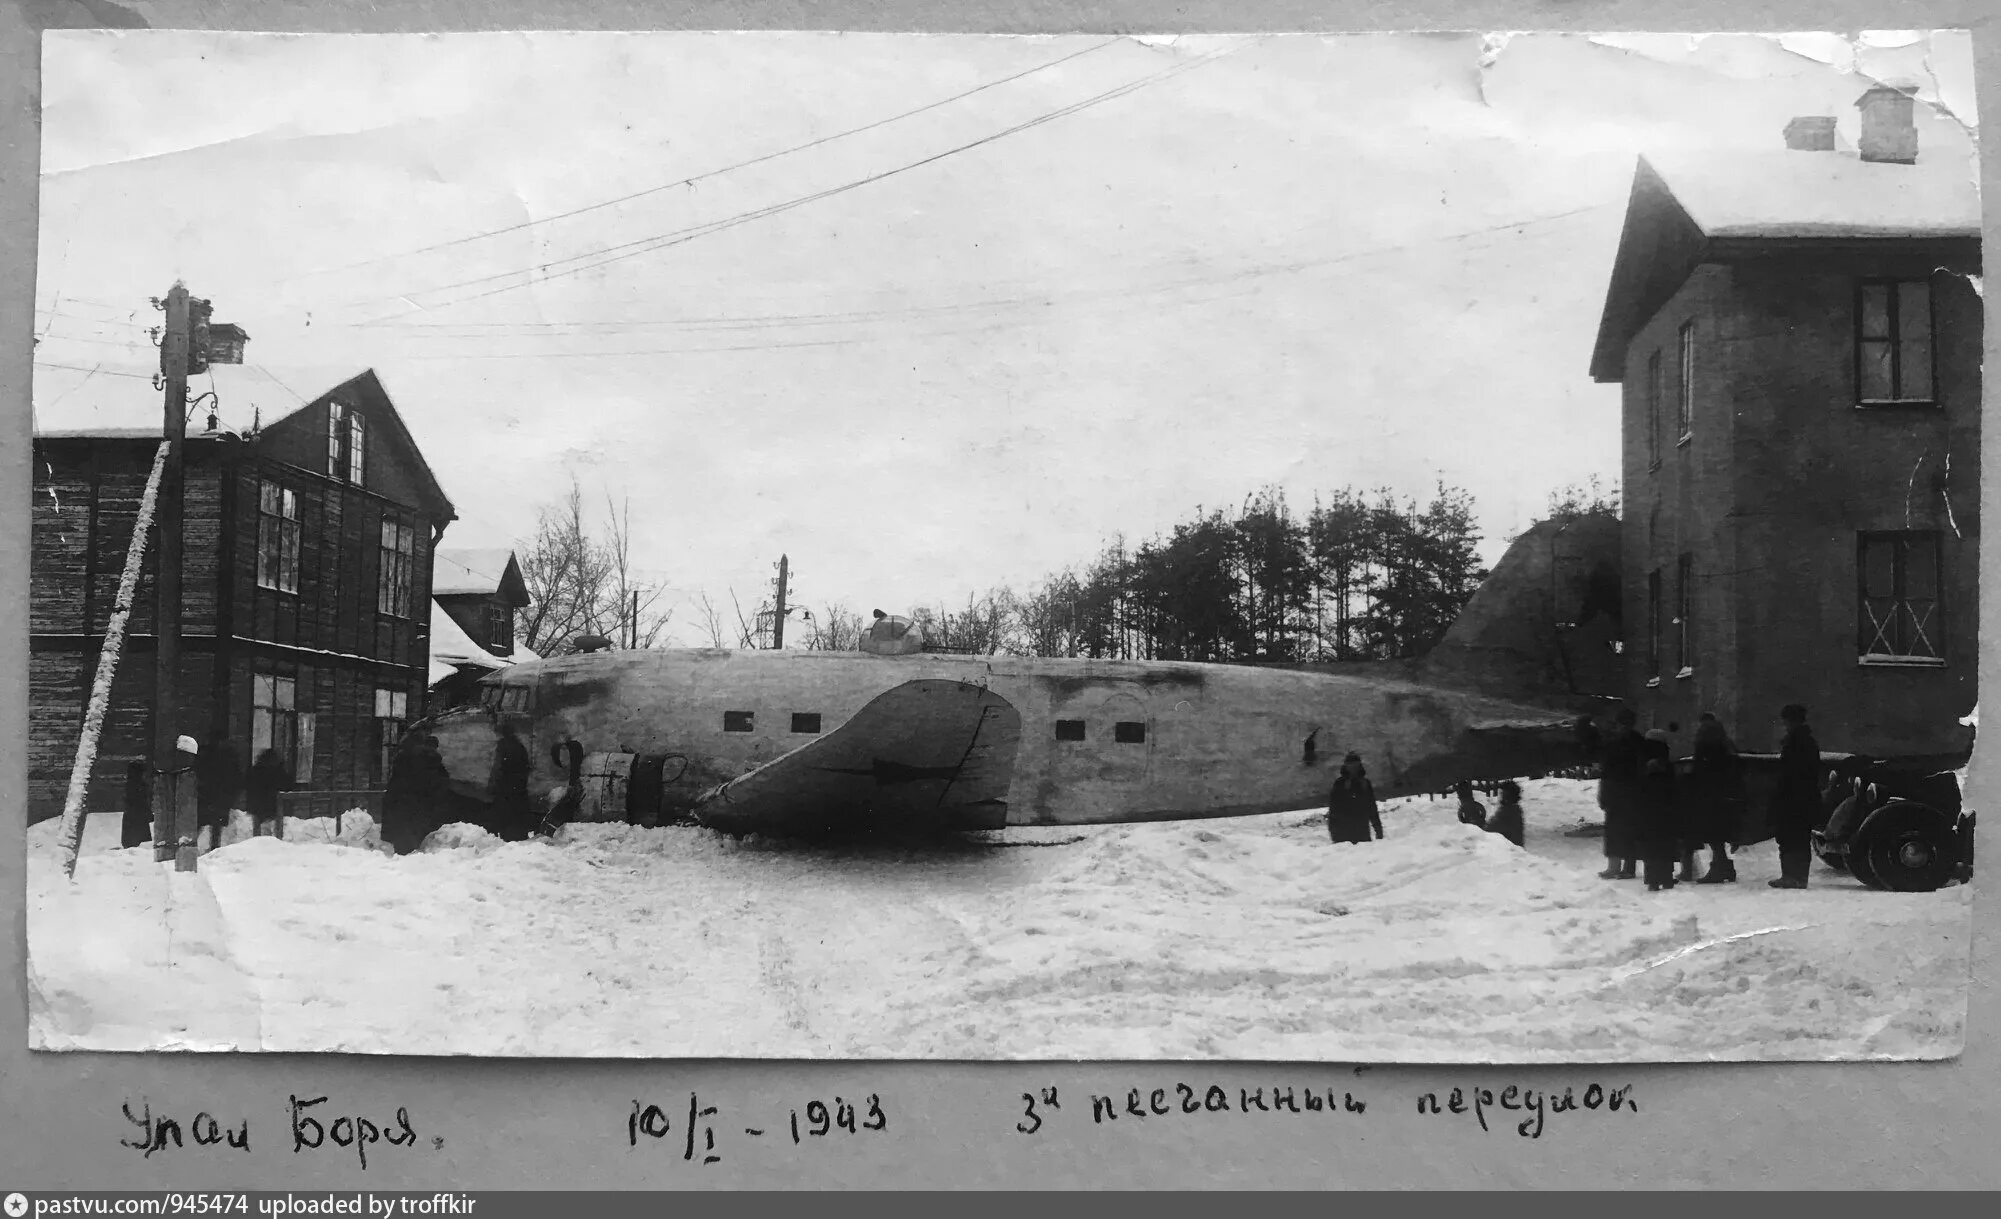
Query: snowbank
point(1250, 938)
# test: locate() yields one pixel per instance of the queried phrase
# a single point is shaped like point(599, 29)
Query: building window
point(347, 442)
point(277, 723)
point(277, 538)
point(500, 627)
point(1653, 410)
point(1654, 622)
point(1893, 341)
point(739, 721)
point(392, 709)
point(1129, 732)
point(1069, 730)
point(1898, 579)
point(399, 549)
point(1685, 392)
point(1684, 614)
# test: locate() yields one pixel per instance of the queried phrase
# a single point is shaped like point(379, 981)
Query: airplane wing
point(927, 754)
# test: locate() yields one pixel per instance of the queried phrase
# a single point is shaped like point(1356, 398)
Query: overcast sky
point(928, 313)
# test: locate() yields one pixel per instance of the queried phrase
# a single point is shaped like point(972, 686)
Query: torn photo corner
point(1365, 548)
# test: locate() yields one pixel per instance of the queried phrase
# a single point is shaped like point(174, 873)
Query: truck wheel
point(1910, 847)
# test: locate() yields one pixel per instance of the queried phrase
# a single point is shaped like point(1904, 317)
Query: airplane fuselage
point(1098, 741)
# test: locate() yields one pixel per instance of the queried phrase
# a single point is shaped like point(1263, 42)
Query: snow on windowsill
point(1882, 660)
point(1652, 682)
point(1686, 672)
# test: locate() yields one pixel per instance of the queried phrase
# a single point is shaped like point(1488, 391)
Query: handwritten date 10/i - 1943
point(698, 1127)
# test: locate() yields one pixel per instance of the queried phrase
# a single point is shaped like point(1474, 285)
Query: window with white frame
point(277, 723)
point(277, 538)
point(347, 442)
point(397, 568)
point(1897, 575)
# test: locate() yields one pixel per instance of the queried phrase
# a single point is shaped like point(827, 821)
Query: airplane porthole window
point(1129, 732)
point(1069, 730)
point(806, 721)
point(739, 721)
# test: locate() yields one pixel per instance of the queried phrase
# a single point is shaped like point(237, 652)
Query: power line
point(714, 173)
point(100, 370)
point(646, 245)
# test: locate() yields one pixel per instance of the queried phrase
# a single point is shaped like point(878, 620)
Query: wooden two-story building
point(1798, 335)
point(306, 593)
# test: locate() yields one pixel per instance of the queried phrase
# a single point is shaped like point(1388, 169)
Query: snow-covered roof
point(1688, 208)
point(1784, 193)
point(478, 571)
point(451, 647)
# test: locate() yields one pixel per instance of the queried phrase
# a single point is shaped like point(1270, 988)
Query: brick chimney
point(1811, 133)
point(1888, 131)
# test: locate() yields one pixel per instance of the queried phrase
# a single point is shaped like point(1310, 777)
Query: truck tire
point(1909, 848)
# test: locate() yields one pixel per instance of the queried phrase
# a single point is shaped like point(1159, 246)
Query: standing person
point(136, 829)
point(1351, 807)
point(1657, 827)
point(218, 782)
point(1507, 818)
point(1471, 811)
point(268, 776)
point(1796, 804)
point(1717, 776)
point(511, 811)
point(1618, 793)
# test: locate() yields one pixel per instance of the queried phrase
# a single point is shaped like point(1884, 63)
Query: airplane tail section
point(928, 754)
point(1545, 625)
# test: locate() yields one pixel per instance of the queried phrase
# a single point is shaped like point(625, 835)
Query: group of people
point(418, 799)
point(1353, 816)
point(220, 785)
point(1656, 821)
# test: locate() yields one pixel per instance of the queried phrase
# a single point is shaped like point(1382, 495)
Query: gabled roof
point(1683, 207)
point(368, 387)
point(484, 572)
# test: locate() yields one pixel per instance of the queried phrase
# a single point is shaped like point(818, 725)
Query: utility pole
point(778, 615)
point(178, 827)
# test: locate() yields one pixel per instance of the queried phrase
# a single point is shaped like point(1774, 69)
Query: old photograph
point(1362, 548)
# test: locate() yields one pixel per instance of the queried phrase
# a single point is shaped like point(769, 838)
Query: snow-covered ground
point(1252, 938)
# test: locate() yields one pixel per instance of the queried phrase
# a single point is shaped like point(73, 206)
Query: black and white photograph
point(1403, 548)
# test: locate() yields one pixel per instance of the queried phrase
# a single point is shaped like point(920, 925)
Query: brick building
point(1798, 338)
point(306, 585)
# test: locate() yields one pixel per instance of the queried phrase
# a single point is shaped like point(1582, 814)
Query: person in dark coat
point(1657, 828)
point(412, 794)
point(1717, 801)
point(1471, 811)
point(136, 829)
point(1796, 803)
point(1507, 818)
point(218, 783)
point(1352, 815)
point(513, 817)
point(268, 776)
point(1618, 794)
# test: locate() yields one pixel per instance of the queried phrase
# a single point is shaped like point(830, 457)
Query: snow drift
point(1252, 938)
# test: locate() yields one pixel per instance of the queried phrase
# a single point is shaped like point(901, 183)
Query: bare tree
point(712, 621)
point(581, 584)
point(836, 628)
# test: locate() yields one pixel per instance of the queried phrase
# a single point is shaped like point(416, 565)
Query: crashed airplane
point(893, 738)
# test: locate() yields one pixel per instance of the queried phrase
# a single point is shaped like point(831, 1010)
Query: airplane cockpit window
point(739, 721)
point(806, 721)
point(1069, 730)
point(1129, 732)
point(489, 697)
point(515, 700)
